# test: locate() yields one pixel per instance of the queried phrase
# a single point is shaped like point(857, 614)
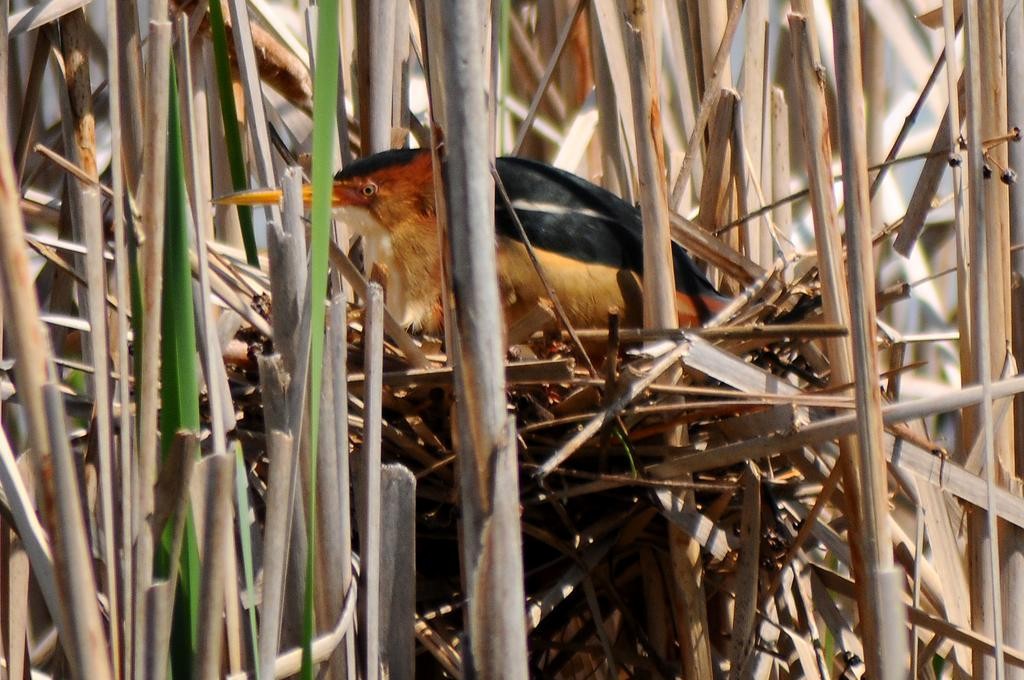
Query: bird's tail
point(698, 309)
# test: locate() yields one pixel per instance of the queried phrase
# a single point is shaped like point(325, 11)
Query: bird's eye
point(369, 189)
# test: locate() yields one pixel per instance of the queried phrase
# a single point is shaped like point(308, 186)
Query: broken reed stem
point(712, 88)
point(217, 527)
point(398, 577)
point(280, 490)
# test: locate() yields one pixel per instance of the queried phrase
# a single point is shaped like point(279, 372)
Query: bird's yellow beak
point(261, 196)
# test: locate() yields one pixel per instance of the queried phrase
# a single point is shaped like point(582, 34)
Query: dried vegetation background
point(820, 483)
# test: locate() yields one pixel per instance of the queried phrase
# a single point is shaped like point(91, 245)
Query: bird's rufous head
point(393, 188)
point(385, 191)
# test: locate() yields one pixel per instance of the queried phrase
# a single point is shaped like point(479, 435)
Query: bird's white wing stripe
point(555, 209)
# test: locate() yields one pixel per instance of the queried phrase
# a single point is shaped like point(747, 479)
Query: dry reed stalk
point(280, 479)
point(941, 155)
point(27, 336)
point(630, 392)
point(34, 539)
point(754, 95)
point(715, 189)
point(1015, 108)
point(287, 249)
point(290, 663)
point(611, 76)
point(745, 184)
point(527, 58)
point(909, 121)
point(884, 635)
point(125, 439)
point(1014, 616)
point(946, 546)
point(131, 78)
point(5, 55)
point(375, 47)
point(659, 286)
point(253, 95)
point(988, 333)
point(239, 640)
point(334, 546)
point(782, 214)
point(339, 348)
point(369, 485)
point(398, 578)
point(709, 248)
point(491, 550)
point(837, 310)
point(30, 105)
point(681, 95)
point(88, 227)
point(171, 508)
point(219, 468)
point(1006, 328)
point(227, 226)
point(289, 278)
point(14, 591)
point(872, 49)
point(717, 197)
point(713, 19)
point(151, 250)
point(659, 308)
point(933, 469)
point(344, 151)
point(217, 388)
point(743, 631)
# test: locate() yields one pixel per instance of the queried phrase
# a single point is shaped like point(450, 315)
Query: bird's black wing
point(563, 213)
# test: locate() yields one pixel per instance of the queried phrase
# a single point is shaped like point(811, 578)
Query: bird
point(588, 241)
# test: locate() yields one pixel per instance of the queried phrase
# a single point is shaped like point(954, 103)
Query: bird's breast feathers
point(410, 262)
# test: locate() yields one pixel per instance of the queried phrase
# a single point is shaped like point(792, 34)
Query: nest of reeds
point(641, 456)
